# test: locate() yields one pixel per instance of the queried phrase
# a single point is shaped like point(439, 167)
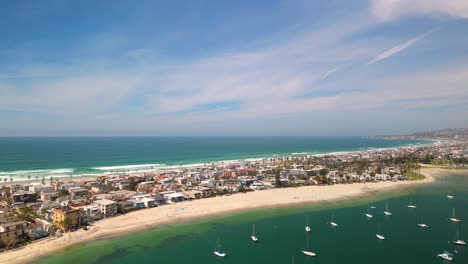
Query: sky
point(204, 68)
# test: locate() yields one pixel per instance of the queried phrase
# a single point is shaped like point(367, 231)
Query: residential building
point(12, 233)
point(66, 218)
point(107, 207)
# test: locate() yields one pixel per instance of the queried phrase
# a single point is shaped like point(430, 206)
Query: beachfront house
point(92, 212)
point(206, 192)
point(12, 233)
point(66, 218)
point(172, 196)
point(107, 207)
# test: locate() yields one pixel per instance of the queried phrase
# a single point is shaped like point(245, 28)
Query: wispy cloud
point(399, 48)
point(391, 9)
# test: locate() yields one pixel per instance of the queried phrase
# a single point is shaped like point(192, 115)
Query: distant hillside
point(444, 134)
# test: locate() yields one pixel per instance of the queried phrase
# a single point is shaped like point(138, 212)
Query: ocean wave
point(126, 167)
point(22, 175)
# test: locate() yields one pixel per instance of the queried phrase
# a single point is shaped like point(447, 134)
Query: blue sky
point(232, 67)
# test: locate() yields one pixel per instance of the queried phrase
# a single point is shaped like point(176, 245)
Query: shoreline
point(209, 208)
point(162, 168)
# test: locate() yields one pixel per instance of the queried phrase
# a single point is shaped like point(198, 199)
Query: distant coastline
point(108, 159)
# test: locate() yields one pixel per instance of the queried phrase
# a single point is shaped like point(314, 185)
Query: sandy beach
point(185, 211)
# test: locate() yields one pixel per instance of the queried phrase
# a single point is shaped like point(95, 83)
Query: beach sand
point(205, 208)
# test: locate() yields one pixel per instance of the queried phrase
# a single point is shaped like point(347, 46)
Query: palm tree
point(29, 179)
point(11, 180)
point(36, 177)
point(5, 180)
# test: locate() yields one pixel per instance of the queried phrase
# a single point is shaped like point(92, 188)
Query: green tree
point(63, 192)
point(26, 213)
point(132, 186)
point(277, 178)
point(324, 171)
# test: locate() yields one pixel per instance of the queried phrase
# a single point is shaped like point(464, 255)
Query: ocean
point(282, 236)
point(45, 157)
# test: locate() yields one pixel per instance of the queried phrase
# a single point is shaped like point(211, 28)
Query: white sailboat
point(368, 213)
point(332, 222)
point(411, 205)
point(423, 225)
point(253, 237)
point(379, 236)
point(307, 252)
point(307, 228)
point(458, 241)
point(450, 196)
point(387, 212)
point(217, 251)
point(453, 218)
point(446, 255)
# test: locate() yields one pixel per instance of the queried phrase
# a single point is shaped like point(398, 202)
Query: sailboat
point(307, 252)
point(217, 251)
point(379, 236)
point(386, 212)
point(307, 228)
point(368, 213)
point(254, 238)
point(453, 218)
point(450, 196)
point(458, 241)
point(423, 225)
point(333, 223)
point(446, 255)
point(411, 205)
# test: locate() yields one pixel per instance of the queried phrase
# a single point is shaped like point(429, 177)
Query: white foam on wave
point(25, 173)
point(126, 167)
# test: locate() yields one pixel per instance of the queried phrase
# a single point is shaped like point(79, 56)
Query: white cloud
point(398, 48)
point(391, 9)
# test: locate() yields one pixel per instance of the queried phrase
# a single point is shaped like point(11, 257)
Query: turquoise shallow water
point(62, 156)
point(282, 236)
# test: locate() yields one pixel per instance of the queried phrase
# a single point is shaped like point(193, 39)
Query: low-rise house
point(91, 213)
point(149, 202)
point(66, 218)
point(101, 188)
point(78, 191)
point(47, 196)
point(24, 197)
point(206, 192)
point(193, 194)
point(174, 197)
point(38, 188)
point(12, 233)
point(107, 207)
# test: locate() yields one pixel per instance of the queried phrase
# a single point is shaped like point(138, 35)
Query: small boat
point(217, 251)
point(368, 213)
point(372, 207)
point(379, 236)
point(458, 241)
point(332, 222)
point(450, 196)
point(254, 238)
point(307, 252)
point(387, 212)
point(411, 205)
point(423, 225)
point(446, 255)
point(307, 228)
point(453, 218)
